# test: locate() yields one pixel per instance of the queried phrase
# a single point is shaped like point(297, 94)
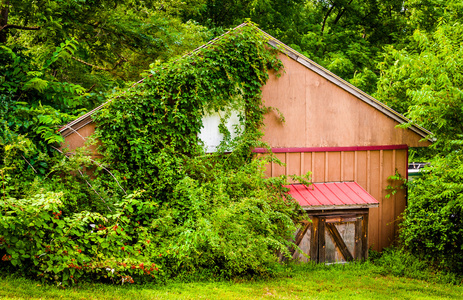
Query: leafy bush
point(38, 239)
point(229, 231)
point(432, 226)
point(423, 80)
point(402, 263)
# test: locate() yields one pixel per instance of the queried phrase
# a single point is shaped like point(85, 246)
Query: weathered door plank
point(339, 241)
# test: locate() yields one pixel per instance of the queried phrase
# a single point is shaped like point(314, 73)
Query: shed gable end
point(320, 113)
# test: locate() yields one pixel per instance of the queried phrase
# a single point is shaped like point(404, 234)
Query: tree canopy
point(423, 80)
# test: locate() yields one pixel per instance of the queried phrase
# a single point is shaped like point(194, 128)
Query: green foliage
point(38, 239)
point(230, 226)
point(32, 107)
point(424, 81)
point(397, 182)
point(401, 263)
point(25, 82)
point(346, 37)
point(112, 42)
point(432, 227)
point(427, 14)
point(158, 120)
point(186, 211)
point(233, 224)
point(217, 210)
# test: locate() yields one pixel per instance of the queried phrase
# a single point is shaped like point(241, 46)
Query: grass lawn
point(355, 281)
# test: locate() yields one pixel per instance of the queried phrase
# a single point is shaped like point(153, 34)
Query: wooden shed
point(337, 132)
point(340, 134)
point(338, 226)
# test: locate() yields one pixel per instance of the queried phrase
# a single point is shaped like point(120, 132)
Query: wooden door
point(333, 238)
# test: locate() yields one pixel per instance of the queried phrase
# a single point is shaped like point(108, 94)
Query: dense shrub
point(229, 231)
point(402, 263)
point(432, 227)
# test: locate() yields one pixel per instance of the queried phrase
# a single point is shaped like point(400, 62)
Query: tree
point(347, 37)
point(424, 81)
point(59, 58)
point(116, 40)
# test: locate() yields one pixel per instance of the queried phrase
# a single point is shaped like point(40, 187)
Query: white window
point(210, 134)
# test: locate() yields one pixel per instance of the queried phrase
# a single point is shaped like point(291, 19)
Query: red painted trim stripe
point(406, 187)
point(330, 149)
point(406, 174)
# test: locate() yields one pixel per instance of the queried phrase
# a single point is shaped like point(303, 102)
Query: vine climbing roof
point(293, 54)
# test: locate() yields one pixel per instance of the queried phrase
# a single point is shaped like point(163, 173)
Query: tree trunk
point(326, 17)
point(341, 13)
point(4, 7)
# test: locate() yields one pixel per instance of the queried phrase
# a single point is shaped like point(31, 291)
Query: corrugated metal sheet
point(333, 195)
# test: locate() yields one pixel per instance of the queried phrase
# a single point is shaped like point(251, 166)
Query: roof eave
point(337, 207)
point(85, 119)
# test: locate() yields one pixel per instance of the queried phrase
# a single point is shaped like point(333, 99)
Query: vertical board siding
point(318, 168)
point(334, 166)
point(388, 203)
point(361, 170)
point(401, 163)
point(307, 162)
point(369, 168)
point(293, 163)
point(348, 166)
point(376, 188)
point(278, 170)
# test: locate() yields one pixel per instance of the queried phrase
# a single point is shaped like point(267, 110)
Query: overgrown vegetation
point(173, 209)
point(423, 81)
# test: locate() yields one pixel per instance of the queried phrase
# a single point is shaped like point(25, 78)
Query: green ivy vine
point(163, 114)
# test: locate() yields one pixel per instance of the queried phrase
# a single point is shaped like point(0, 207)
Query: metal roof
point(87, 118)
point(333, 195)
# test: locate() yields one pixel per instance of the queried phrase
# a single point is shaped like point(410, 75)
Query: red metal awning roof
point(333, 195)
